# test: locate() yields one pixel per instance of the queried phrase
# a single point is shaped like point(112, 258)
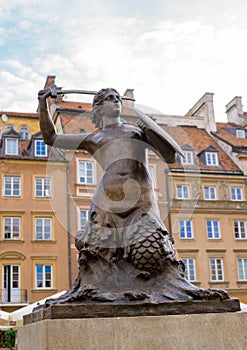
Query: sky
point(169, 51)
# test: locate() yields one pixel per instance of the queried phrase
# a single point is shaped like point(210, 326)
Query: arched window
point(24, 132)
point(9, 127)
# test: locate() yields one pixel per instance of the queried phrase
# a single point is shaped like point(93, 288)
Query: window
point(240, 229)
point(11, 228)
point(182, 191)
point(11, 146)
point(9, 127)
point(43, 229)
point(83, 218)
point(185, 229)
point(11, 283)
point(188, 158)
point(216, 269)
point(213, 229)
point(12, 186)
point(212, 158)
point(242, 269)
point(24, 132)
point(240, 133)
point(85, 172)
point(236, 194)
point(43, 276)
point(40, 148)
point(42, 187)
point(209, 193)
point(190, 271)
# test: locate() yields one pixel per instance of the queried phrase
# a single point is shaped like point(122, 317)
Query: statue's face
point(112, 105)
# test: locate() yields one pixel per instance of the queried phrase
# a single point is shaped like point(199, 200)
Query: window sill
point(43, 241)
point(196, 283)
point(45, 197)
point(222, 284)
point(242, 282)
point(11, 241)
point(38, 290)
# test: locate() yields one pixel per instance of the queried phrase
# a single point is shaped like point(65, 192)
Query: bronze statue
point(125, 253)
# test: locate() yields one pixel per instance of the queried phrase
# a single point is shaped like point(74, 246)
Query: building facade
point(33, 215)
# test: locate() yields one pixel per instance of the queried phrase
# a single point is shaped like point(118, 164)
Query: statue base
point(208, 331)
point(138, 308)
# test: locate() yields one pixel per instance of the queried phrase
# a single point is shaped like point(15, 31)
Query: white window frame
point(84, 173)
point(12, 191)
point(212, 158)
point(152, 173)
point(240, 133)
point(235, 195)
point(86, 212)
point(216, 269)
point(14, 227)
point(186, 226)
point(43, 187)
point(209, 193)
point(190, 269)
point(38, 149)
point(214, 232)
point(42, 222)
point(184, 190)
point(24, 132)
point(44, 280)
point(11, 146)
point(242, 269)
point(188, 158)
point(240, 229)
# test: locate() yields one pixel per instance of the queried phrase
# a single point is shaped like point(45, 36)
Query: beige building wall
point(28, 251)
point(200, 247)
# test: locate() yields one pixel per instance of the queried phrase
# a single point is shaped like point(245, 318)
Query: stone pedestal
point(212, 331)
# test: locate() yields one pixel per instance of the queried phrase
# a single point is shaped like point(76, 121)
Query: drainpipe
point(68, 220)
point(167, 172)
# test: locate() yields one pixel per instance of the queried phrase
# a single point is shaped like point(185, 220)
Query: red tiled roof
point(227, 133)
point(73, 124)
point(20, 114)
point(200, 140)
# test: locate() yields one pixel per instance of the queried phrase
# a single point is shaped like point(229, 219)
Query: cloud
point(170, 56)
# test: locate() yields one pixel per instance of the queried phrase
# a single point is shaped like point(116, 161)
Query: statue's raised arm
point(48, 129)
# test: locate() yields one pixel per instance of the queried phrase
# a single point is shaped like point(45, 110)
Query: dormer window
point(188, 158)
point(9, 127)
point(240, 133)
point(212, 158)
point(24, 132)
point(40, 148)
point(11, 146)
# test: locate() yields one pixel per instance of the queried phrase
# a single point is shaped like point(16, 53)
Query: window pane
point(216, 269)
point(185, 227)
point(40, 148)
point(11, 146)
point(242, 269)
point(213, 229)
point(12, 186)
point(86, 172)
point(189, 268)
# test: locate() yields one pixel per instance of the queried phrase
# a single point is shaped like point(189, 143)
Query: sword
point(55, 92)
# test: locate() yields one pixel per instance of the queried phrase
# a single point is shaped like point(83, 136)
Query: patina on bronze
point(127, 262)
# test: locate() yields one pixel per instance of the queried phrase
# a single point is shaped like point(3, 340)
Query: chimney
point(234, 110)
point(129, 103)
point(204, 107)
point(50, 83)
